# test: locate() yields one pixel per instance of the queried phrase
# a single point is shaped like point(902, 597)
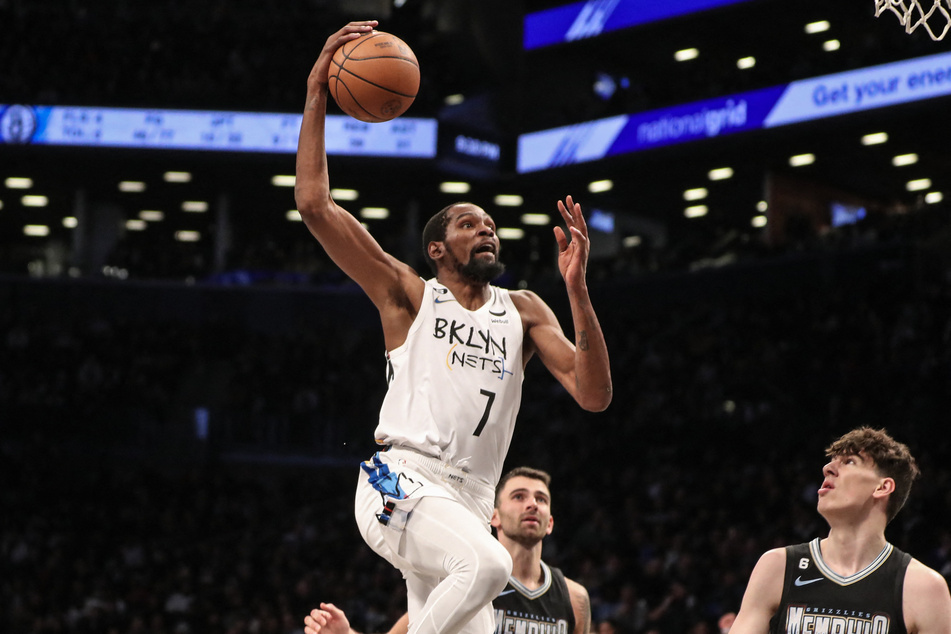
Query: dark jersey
point(817, 600)
point(545, 610)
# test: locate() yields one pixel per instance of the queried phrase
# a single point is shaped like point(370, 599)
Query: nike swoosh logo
point(801, 582)
point(505, 592)
point(442, 301)
point(497, 314)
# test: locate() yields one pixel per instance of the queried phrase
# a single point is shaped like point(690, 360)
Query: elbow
point(312, 207)
point(598, 401)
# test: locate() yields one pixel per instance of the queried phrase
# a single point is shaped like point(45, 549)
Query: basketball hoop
point(912, 14)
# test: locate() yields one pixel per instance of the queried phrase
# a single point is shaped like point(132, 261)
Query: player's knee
point(495, 569)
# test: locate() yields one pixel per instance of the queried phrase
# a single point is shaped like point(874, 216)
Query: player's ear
point(495, 522)
point(435, 250)
point(551, 525)
point(885, 488)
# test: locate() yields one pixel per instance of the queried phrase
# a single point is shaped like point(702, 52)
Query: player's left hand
point(573, 253)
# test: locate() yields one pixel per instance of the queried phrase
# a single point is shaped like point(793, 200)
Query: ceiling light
point(34, 201)
point(904, 159)
point(696, 211)
point(746, 62)
point(451, 187)
point(802, 159)
point(508, 200)
point(538, 220)
point(597, 187)
point(284, 180)
point(131, 186)
point(934, 197)
point(686, 54)
point(876, 138)
point(70, 222)
point(151, 215)
point(344, 194)
point(510, 233)
point(831, 45)
point(375, 213)
point(177, 177)
point(762, 206)
point(918, 184)
point(135, 224)
point(631, 241)
point(453, 100)
point(15, 182)
point(817, 27)
point(293, 215)
point(721, 173)
point(758, 221)
point(195, 206)
point(36, 230)
point(698, 193)
point(187, 236)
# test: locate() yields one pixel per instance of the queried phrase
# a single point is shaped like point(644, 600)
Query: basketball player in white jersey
point(853, 580)
point(456, 349)
point(538, 597)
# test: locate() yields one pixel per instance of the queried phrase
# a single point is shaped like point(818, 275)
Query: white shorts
point(432, 522)
point(393, 481)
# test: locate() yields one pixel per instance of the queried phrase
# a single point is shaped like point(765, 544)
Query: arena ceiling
point(473, 49)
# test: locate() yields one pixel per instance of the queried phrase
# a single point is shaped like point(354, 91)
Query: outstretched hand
point(319, 74)
point(573, 253)
point(329, 619)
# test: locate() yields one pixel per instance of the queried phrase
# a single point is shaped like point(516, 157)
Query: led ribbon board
point(582, 20)
point(804, 100)
point(207, 130)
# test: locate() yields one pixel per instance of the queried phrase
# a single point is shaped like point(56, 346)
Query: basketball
point(375, 77)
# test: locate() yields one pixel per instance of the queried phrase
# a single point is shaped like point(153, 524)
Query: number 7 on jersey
point(490, 398)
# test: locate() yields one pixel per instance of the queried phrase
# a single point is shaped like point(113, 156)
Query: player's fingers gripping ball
point(375, 77)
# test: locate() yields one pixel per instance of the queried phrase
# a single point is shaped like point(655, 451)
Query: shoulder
point(577, 591)
point(921, 577)
point(773, 559)
point(531, 307)
point(768, 577)
point(764, 593)
point(524, 297)
point(926, 601)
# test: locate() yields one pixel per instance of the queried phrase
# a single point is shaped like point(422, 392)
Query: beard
point(479, 270)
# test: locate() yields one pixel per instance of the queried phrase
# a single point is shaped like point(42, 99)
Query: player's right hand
point(320, 73)
point(328, 619)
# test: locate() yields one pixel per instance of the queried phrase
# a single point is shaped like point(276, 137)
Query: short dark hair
point(435, 231)
point(525, 472)
point(892, 459)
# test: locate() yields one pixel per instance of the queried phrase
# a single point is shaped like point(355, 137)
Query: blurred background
point(187, 383)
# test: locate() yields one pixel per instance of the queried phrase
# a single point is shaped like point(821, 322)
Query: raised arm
point(927, 602)
point(763, 594)
point(581, 367)
point(390, 284)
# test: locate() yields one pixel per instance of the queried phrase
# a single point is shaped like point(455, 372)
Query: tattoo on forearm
point(583, 340)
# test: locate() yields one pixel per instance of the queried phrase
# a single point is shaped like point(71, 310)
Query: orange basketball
point(375, 77)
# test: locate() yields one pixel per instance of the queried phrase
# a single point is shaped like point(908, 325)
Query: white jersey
point(455, 385)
